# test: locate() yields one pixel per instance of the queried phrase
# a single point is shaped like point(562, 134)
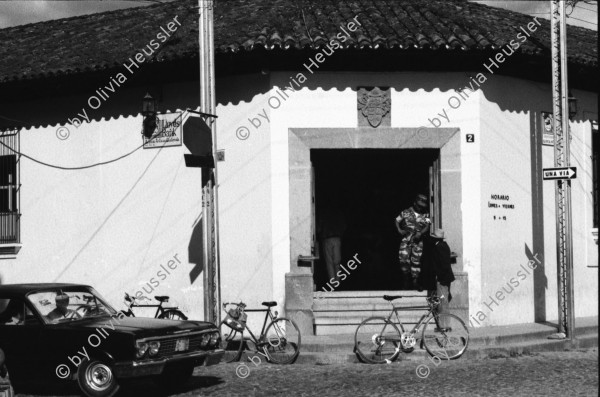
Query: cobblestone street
point(572, 373)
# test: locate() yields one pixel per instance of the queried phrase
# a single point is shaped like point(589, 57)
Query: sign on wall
point(547, 133)
point(560, 173)
point(167, 133)
point(500, 203)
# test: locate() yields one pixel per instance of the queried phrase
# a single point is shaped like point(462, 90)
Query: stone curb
point(474, 352)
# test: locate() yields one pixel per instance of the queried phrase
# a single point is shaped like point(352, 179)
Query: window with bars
point(9, 188)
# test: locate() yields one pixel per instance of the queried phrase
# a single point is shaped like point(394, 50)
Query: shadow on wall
point(540, 284)
point(62, 105)
point(196, 251)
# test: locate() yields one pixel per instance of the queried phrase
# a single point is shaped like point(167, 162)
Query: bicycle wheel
point(232, 342)
point(445, 336)
point(173, 314)
point(282, 339)
point(377, 341)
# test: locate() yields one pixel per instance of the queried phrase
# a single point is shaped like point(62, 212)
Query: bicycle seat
point(269, 304)
point(162, 298)
point(391, 297)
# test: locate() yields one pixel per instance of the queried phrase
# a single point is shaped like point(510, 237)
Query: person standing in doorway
point(332, 228)
point(412, 224)
point(436, 269)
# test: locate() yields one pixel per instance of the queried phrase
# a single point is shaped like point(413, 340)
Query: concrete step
point(334, 301)
point(474, 351)
point(341, 312)
point(357, 317)
point(336, 323)
point(343, 340)
point(368, 294)
point(325, 358)
point(543, 345)
point(335, 329)
point(586, 329)
point(360, 306)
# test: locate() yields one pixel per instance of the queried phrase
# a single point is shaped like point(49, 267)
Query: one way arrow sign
point(560, 173)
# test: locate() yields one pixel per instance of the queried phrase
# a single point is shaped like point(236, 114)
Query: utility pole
point(210, 225)
point(564, 237)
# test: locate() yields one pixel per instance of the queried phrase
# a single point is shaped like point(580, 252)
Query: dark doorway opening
point(368, 188)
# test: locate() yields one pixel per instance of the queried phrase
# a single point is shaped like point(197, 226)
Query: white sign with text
point(167, 133)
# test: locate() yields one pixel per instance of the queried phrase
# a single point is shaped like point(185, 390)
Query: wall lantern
point(572, 106)
point(149, 113)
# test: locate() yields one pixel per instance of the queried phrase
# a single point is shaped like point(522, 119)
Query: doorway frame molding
point(299, 282)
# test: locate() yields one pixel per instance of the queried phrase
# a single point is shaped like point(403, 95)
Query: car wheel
point(97, 379)
point(174, 376)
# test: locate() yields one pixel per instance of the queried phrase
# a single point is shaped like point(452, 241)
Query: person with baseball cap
point(412, 224)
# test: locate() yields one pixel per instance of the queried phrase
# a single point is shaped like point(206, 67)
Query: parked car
point(68, 332)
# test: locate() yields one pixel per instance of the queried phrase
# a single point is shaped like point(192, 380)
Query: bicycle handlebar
point(435, 300)
point(131, 298)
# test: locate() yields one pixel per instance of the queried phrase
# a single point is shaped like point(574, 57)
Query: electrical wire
point(86, 166)
point(81, 167)
point(568, 16)
point(69, 168)
point(588, 9)
point(582, 20)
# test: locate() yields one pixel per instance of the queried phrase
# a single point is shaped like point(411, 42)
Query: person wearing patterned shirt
point(412, 224)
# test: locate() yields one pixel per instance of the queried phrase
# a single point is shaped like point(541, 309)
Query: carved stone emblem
point(374, 104)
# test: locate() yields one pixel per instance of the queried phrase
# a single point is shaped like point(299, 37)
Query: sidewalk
point(484, 342)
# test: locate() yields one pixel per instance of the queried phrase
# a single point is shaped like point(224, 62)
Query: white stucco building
point(289, 141)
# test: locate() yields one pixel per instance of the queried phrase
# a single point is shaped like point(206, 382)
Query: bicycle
point(171, 313)
point(279, 342)
point(91, 307)
point(378, 340)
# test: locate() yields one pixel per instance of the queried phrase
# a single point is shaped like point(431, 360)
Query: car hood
point(143, 327)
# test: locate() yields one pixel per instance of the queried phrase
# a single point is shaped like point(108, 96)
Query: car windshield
point(63, 305)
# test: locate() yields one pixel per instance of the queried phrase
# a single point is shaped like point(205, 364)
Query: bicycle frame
point(159, 307)
point(268, 316)
point(431, 312)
